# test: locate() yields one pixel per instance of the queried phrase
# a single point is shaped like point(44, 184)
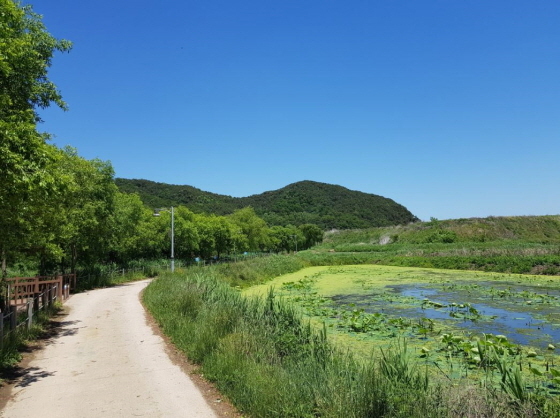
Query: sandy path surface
point(105, 362)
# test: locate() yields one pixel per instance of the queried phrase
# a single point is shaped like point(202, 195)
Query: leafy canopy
point(26, 51)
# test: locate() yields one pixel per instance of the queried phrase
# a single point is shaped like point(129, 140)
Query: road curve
point(105, 362)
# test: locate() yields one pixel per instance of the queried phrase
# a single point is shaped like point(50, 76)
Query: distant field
point(459, 323)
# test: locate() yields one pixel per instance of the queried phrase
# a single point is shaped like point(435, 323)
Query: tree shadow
point(31, 375)
point(62, 329)
point(21, 375)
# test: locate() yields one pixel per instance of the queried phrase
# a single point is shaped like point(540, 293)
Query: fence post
point(36, 301)
point(16, 289)
point(59, 288)
point(29, 314)
point(1, 330)
point(13, 317)
point(51, 294)
point(44, 297)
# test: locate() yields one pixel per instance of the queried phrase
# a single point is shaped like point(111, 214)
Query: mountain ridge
point(327, 205)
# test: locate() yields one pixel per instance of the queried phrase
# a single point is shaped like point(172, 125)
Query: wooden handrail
point(22, 288)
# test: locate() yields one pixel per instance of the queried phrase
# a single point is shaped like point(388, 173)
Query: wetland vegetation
point(459, 323)
point(332, 339)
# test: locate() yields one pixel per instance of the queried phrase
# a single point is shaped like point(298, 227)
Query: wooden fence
point(26, 296)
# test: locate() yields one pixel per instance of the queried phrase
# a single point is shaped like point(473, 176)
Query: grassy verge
point(270, 362)
point(257, 270)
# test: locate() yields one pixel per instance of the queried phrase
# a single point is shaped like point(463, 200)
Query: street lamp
point(295, 239)
point(157, 213)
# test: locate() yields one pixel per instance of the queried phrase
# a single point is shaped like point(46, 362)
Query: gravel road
point(107, 362)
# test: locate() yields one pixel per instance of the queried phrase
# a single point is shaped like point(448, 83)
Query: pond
point(447, 317)
point(471, 308)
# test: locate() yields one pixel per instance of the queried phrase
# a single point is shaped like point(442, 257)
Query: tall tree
point(89, 206)
point(127, 218)
point(313, 235)
point(186, 233)
point(253, 227)
point(224, 232)
point(26, 51)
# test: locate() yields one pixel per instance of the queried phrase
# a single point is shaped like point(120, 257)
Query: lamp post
point(157, 213)
point(295, 240)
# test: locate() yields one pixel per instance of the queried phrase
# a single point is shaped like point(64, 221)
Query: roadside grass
point(257, 270)
point(270, 361)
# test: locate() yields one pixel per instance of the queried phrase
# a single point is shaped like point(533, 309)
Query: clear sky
point(450, 107)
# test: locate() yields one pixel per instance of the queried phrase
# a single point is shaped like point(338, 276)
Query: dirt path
point(106, 361)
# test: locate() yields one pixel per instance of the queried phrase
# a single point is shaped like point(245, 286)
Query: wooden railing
point(26, 296)
point(20, 289)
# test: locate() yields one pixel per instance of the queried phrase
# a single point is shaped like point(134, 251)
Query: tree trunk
point(3, 283)
point(4, 265)
point(73, 259)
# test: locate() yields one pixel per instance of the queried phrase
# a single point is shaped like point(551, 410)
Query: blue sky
point(451, 108)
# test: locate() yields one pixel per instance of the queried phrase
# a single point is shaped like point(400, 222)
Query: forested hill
point(328, 206)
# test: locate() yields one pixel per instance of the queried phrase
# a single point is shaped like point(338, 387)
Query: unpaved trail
point(105, 362)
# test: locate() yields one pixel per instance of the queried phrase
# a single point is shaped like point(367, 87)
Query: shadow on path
point(31, 375)
point(22, 375)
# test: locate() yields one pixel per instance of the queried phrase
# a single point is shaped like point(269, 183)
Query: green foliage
point(286, 238)
point(187, 235)
point(88, 204)
point(503, 230)
point(128, 216)
point(106, 275)
point(398, 366)
point(26, 50)
point(155, 194)
point(253, 227)
point(327, 206)
point(312, 234)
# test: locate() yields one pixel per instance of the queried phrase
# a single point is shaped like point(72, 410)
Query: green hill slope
point(490, 232)
point(509, 244)
point(326, 205)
